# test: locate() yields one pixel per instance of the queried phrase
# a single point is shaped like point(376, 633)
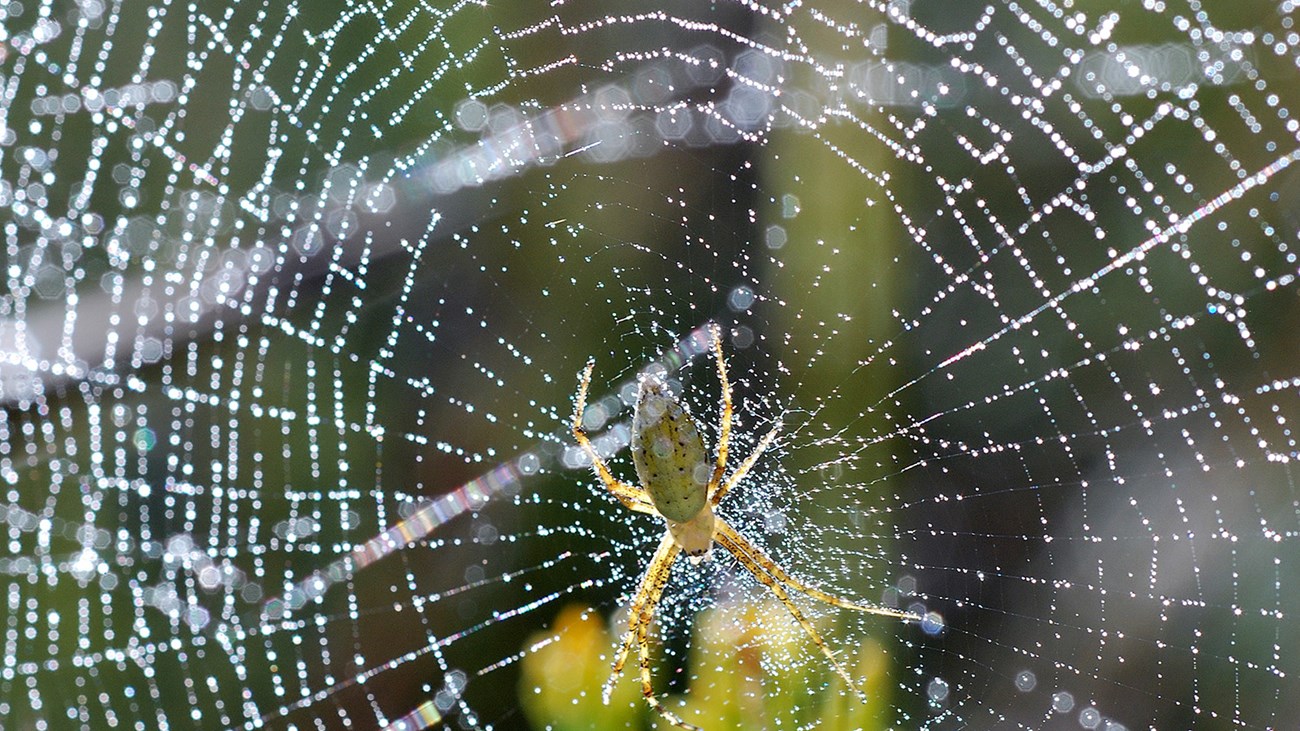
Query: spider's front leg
point(724, 420)
point(631, 497)
point(745, 466)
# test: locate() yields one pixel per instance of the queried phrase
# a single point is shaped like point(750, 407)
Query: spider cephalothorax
point(679, 484)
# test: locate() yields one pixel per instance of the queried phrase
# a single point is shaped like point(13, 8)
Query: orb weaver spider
point(677, 484)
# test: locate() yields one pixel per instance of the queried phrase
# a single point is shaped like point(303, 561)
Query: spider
point(678, 484)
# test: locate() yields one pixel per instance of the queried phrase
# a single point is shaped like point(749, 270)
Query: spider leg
point(647, 596)
point(643, 607)
point(745, 466)
point(776, 572)
point(775, 587)
point(643, 645)
point(724, 428)
point(633, 498)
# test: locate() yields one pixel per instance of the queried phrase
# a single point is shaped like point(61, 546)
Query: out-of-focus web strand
point(433, 648)
point(1181, 227)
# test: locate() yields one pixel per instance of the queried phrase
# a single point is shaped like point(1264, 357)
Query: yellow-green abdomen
point(669, 453)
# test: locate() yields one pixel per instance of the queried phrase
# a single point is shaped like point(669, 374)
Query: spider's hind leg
point(778, 573)
point(647, 690)
point(757, 569)
point(647, 597)
point(638, 630)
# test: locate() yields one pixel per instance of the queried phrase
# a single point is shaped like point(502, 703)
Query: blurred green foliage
point(750, 667)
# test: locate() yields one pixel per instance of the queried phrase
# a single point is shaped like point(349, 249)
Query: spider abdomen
point(669, 453)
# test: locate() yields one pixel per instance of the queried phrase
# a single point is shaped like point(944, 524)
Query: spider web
point(296, 297)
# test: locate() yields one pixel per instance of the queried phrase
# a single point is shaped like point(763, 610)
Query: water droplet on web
point(789, 205)
point(740, 299)
point(529, 463)
point(932, 623)
point(487, 534)
point(151, 350)
point(774, 523)
point(471, 115)
point(308, 241)
point(706, 65)
point(444, 700)
point(594, 416)
point(937, 690)
point(775, 237)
